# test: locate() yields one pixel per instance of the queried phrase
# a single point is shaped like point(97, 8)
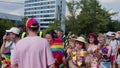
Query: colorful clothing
point(93, 59)
point(57, 49)
point(104, 54)
point(78, 57)
point(104, 60)
point(6, 57)
point(6, 60)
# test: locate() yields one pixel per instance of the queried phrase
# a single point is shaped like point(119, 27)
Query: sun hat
point(32, 23)
point(81, 39)
point(14, 30)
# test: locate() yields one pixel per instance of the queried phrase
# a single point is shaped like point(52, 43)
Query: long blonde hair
point(104, 38)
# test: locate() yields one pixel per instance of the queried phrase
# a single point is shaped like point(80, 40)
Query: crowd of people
point(57, 50)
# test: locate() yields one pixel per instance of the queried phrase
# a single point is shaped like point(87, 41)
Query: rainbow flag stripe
point(7, 56)
point(57, 47)
point(6, 60)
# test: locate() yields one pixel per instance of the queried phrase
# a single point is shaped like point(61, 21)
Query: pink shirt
point(33, 52)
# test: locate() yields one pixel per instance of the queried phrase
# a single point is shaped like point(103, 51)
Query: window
point(42, 20)
point(44, 7)
point(45, 24)
point(38, 4)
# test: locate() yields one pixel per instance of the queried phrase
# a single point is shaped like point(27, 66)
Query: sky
point(18, 9)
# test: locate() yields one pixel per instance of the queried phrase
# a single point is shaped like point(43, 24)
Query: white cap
point(109, 33)
point(14, 30)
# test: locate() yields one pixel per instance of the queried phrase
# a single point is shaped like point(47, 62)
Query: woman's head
point(80, 43)
point(102, 39)
point(48, 36)
point(93, 38)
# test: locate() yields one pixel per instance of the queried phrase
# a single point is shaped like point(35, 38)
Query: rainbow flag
point(57, 49)
point(6, 59)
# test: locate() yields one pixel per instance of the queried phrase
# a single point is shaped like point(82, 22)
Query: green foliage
point(114, 26)
point(71, 21)
point(5, 25)
point(24, 19)
point(83, 23)
point(23, 22)
point(52, 26)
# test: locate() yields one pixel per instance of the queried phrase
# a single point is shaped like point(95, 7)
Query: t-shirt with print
point(33, 52)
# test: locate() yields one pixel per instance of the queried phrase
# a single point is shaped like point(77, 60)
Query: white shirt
point(114, 44)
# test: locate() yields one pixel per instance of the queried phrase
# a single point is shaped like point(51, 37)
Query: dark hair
point(34, 29)
point(50, 34)
point(17, 35)
point(83, 46)
point(96, 41)
point(94, 35)
point(114, 34)
point(53, 33)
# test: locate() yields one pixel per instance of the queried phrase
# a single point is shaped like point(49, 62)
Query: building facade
point(45, 11)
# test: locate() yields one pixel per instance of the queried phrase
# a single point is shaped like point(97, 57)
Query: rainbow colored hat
point(32, 23)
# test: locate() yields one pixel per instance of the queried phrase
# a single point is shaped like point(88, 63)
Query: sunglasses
point(7, 33)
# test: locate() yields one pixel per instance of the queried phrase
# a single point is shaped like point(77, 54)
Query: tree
point(24, 19)
point(71, 21)
point(53, 26)
point(4, 25)
point(84, 22)
point(114, 26)
point(103, 17)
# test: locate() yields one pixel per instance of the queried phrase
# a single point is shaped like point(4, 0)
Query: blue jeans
point(105, 65)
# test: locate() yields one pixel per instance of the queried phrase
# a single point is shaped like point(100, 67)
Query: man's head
point(32, 25)
point(14, 32)
point(113, 36)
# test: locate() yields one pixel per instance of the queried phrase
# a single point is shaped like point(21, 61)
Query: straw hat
point(81, 39)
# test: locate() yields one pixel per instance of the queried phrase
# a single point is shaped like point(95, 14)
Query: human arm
point(69, 50)
point(3, 49)
point(109, 50)
point(51, 66)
